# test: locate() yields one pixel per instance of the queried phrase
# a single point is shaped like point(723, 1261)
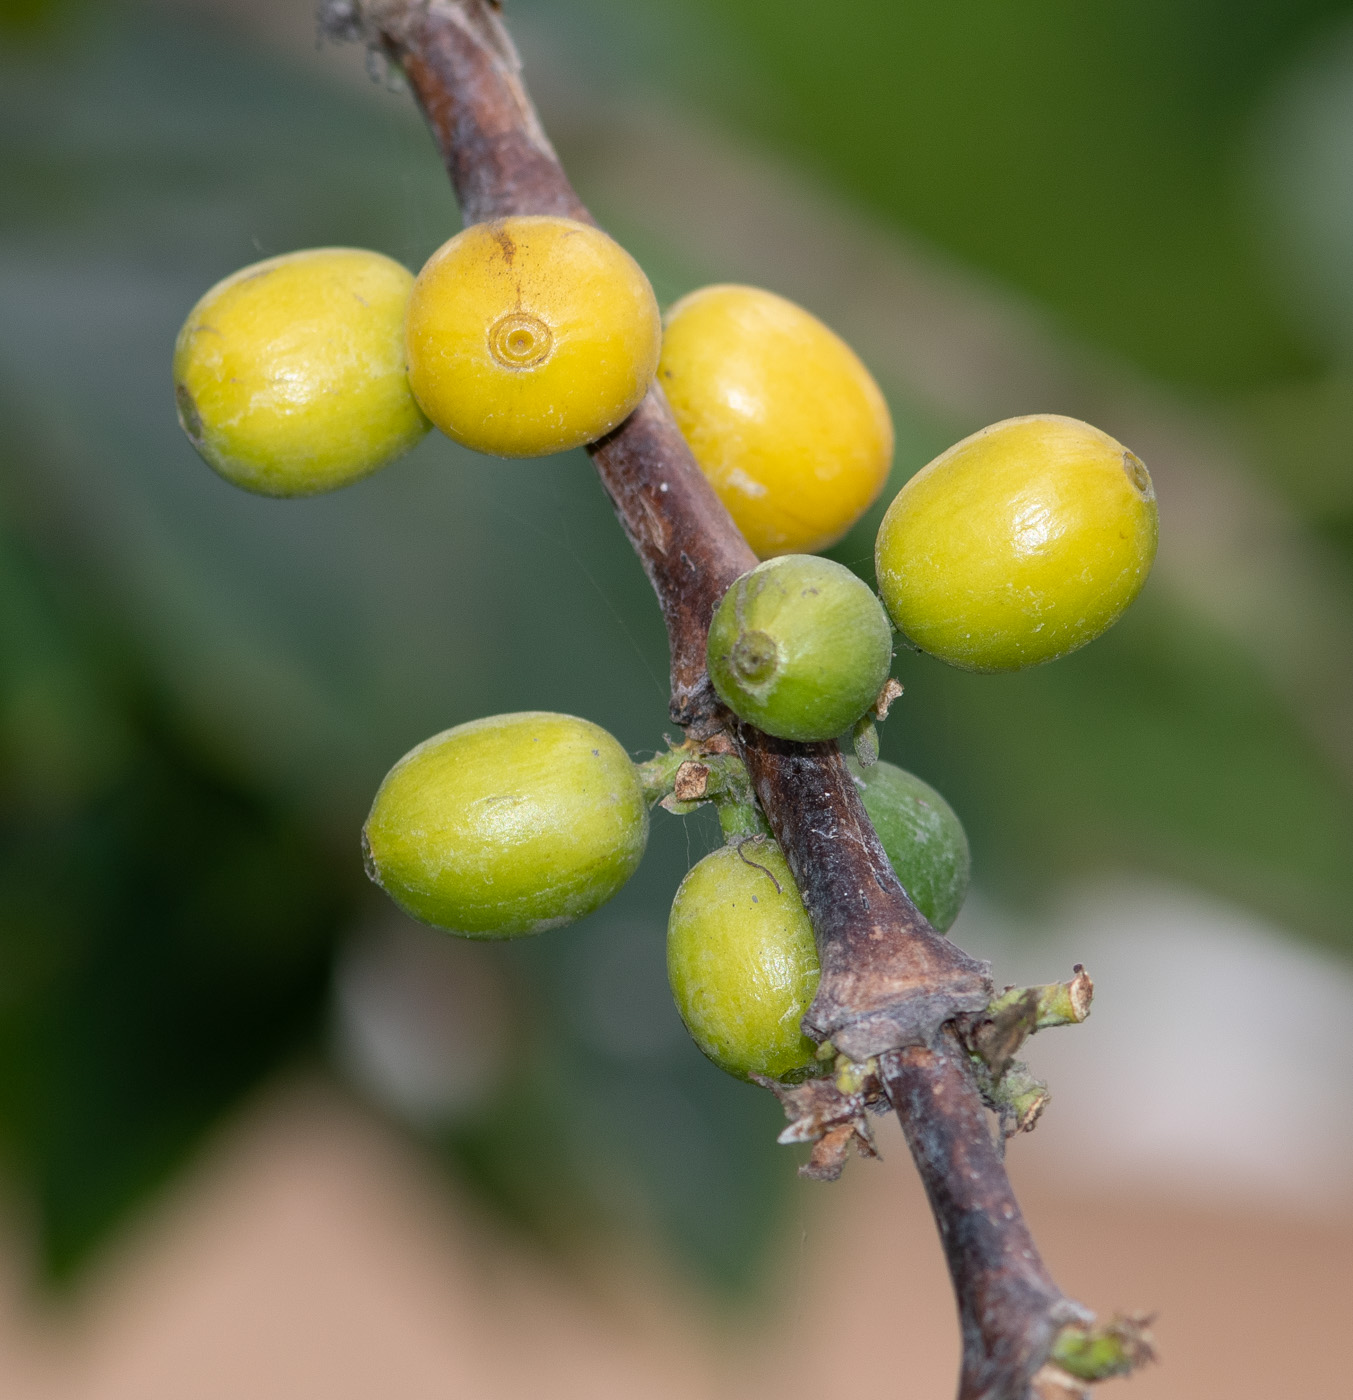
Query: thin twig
point(890, 985)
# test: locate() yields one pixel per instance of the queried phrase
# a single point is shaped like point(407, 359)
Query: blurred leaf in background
point(1302, 188)
point(202, 689)
point(1084, 153)
point(163, 927)
point(1174, 182)
point(292, 655)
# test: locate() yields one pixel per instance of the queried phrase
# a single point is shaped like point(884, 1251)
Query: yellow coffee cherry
point(531, 335)
point(782, 417)
point(290, 374)
point(1019, 544)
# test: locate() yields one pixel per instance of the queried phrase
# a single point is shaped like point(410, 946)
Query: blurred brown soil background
point(312, 1256)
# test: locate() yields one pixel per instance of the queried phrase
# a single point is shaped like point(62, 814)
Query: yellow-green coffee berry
point(799, 647)
point(923, 837)
point(290, 374)
point(1019, 544)
point(507, 826)
point(742, 962)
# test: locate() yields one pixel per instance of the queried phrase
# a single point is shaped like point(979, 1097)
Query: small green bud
point(742, 962)
point(799, 647)
point(923, 837)
point(507, 826)
point(1100, 1352)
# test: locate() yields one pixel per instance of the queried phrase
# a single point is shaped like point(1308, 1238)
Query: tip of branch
point(1097, 1353)
point(1018, 1012)
point(1080, 993)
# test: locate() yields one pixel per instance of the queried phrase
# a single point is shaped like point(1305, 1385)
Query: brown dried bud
point(692, 782)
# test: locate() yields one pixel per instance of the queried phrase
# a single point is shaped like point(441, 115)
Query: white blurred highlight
point(421, 1021)
point(1216, 1063)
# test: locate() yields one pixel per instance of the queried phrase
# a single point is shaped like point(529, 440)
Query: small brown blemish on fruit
point(504, 240)
point(369, 860)
point(1139, 476)
point(189, 417)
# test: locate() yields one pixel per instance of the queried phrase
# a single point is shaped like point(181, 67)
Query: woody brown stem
point(1010, 1309)
point(890, 983)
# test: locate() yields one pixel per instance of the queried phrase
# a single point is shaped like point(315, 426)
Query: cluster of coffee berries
point(519, 338)
point(529, 336)
point(741, 959)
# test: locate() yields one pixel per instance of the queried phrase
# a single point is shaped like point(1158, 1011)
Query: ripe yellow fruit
point(531, 335)
point(782, 417)
point(1019, 544)
point(290, 374)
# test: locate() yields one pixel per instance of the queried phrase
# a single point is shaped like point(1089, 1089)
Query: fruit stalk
point(889, 983)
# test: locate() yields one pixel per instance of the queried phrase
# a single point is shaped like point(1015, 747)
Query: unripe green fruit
point(507, 826)
point(742, 963)
point(799, 647)
point(922, 835)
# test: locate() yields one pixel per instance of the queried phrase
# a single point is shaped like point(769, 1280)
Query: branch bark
point(891, 987)
point(1009, 1308)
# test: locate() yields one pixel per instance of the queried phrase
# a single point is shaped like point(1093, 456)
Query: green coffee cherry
point(742, 962)
point(924, 839)
point(507, 826)
point(799, 647)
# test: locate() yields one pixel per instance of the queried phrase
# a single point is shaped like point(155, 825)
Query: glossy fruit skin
point(1019, 544)
point(507, 826)
point(742, 963)
point(290, 374)
point(531, 335)
point(799, 647)
point(781, 415)
point(925, 841)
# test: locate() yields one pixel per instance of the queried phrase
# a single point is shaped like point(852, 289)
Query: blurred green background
point(199, 691)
